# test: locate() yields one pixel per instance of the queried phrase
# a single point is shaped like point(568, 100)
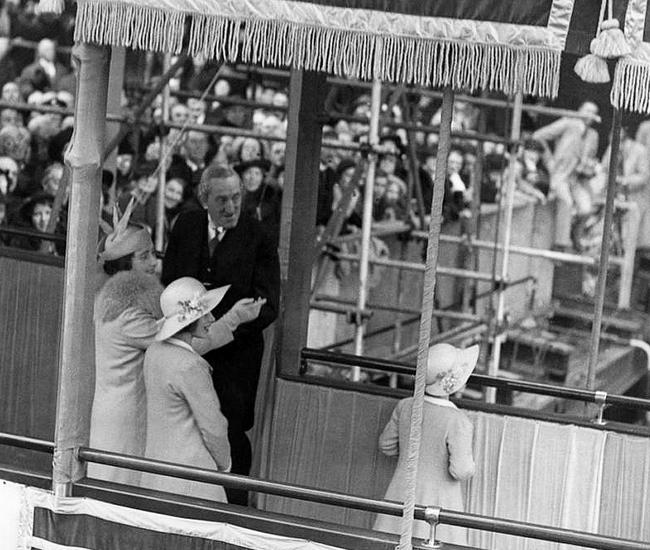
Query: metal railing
point(433, 515)
point(601, 398)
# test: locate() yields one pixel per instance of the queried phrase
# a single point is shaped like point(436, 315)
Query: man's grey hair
point(212, 173)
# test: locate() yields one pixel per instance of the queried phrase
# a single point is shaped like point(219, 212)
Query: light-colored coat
point(445, 459)
point(126, 310)
point(184, 420)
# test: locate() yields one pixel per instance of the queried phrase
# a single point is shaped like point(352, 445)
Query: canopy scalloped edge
point(348, 53)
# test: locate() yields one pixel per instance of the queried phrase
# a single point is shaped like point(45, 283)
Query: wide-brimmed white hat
point(449, 368)
point(183, 302)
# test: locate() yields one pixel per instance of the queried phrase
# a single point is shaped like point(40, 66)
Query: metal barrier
point(433, 515)
point(397, 367)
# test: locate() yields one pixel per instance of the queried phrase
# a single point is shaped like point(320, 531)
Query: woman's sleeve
point(139, 328)
point(389, 438)
point(459, 445)
point(196, 386)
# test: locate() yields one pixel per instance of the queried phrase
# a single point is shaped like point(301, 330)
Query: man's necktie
point(216, 239)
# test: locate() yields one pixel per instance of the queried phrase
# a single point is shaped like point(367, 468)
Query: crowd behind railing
point(557, 159)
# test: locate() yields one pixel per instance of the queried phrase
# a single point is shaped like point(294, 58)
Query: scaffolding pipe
point(552, 255)
point(162, 173)
point(500, 336)
point(366, 226)
point(599, 301)
point(414, 266)
point(455, 315)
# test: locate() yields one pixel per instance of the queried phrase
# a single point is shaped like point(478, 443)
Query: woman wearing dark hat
point(126, 317)
point(35, 214)
point(262, 200)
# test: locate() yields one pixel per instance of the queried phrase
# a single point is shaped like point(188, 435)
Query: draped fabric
point(466, 44)
point(631, 84)
point(527, 470)
point(35, 519)
point(30, 317)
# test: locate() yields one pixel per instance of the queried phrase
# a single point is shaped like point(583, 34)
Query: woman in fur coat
point(127, 309)
point(446, 456)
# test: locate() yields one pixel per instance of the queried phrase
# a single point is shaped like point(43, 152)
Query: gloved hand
point(245, 310)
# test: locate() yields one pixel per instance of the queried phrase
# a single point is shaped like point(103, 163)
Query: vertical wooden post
point(298, 222)
point(76, 360)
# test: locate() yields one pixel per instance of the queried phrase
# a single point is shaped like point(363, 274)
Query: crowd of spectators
point(32, 144)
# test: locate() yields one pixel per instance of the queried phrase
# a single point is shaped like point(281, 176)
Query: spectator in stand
point(262, 201)
point(249, 149)
point(11, 93)
point(8, 71)
point(394, 201)
point(8, 182)
point(277, 150)
point(35, 215)
point(10, 117)
point(493, 168)
point(572, 166)
point(44, 74)
point(457, 198)
point(195, 153)
point(535, 171)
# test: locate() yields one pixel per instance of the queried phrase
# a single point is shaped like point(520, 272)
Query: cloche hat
point(449, 368)
point(123, 239)
point(184, 301)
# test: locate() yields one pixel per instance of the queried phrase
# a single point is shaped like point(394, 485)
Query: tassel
point(592, 68)
point(50, 6)
point(610, 42)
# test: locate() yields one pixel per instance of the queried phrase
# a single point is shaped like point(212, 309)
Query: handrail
point(398, 367)
point(23, 232)
point(24, 442)
point(472, 521)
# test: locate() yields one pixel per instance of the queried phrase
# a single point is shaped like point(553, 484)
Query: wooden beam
point(76, 358)
point(298, 222)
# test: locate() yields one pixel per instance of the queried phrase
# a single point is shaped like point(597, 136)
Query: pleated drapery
point(527, 470)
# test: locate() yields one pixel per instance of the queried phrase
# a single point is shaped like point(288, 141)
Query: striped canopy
point(467, 44)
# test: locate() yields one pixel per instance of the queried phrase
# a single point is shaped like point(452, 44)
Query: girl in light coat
point(446, 456)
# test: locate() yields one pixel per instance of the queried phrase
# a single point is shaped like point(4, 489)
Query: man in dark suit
point(220, 247)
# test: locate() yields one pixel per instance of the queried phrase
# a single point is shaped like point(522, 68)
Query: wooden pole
point(425, 319)
point(499, 337)
point(76, 359)
point(298, 221)
point(366, 226)
point(604, 250)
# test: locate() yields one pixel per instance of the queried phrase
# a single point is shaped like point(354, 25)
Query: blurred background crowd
point(36, 72)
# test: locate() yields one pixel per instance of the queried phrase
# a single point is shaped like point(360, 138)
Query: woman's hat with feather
point(123, 238)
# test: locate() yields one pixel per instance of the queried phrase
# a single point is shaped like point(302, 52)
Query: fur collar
point(128, 289)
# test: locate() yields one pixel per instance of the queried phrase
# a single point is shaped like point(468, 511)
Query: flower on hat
point(190, 308)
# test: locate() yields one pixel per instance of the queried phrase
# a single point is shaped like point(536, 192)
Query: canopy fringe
point(351, 54)
point(631, 86)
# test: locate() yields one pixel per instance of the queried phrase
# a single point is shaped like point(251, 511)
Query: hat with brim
point(184, 301)
point(262, 164)
point(449, 368)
